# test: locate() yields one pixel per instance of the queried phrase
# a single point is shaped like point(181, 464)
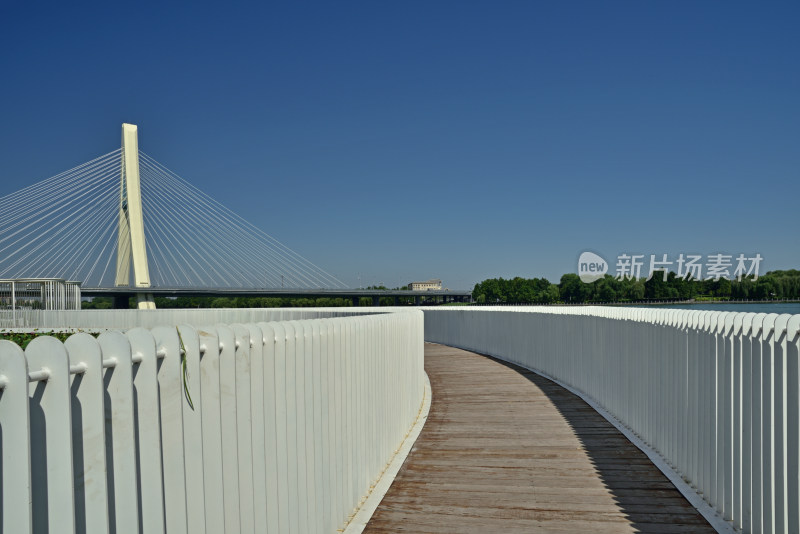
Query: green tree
point(573, 289)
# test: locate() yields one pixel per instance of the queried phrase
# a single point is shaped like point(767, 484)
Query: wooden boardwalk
point(505, 450)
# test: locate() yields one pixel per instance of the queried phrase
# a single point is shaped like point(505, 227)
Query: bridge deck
point(505, 450)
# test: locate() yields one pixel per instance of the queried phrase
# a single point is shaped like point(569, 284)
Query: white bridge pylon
point(125, 221)
point(131, 245)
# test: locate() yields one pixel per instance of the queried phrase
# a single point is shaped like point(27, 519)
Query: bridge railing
point(276, 427)
point(716, 395)
point(123, 319)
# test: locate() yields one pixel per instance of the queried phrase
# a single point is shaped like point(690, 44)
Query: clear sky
point(415, 140)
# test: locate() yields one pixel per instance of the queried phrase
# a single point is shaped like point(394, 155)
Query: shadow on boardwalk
point(505, 450)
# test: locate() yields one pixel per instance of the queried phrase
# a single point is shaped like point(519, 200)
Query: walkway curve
point(505, 450)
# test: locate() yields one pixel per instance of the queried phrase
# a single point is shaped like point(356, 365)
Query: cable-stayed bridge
point(124, 224)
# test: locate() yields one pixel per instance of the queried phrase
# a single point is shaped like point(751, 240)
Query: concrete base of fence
point(359, 521)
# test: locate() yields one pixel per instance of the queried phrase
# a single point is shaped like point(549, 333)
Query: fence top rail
point(303, 316)
point(718, 322)
point(100, 320)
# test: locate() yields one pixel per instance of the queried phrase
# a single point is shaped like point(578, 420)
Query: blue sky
point(413, 140)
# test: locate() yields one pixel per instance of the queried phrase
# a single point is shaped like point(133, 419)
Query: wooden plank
point(505, 450)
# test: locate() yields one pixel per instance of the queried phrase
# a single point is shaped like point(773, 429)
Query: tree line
point(570, 289)
point(104, 303)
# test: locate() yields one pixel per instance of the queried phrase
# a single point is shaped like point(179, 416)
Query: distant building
point(427, 285)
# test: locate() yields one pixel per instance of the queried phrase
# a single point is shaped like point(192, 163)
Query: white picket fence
point(277, 427)
point(716, 395)
point(124, 319)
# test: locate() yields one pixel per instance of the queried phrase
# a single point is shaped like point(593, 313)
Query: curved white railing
point(716, 395)
point(278, 427)
point(124, 319)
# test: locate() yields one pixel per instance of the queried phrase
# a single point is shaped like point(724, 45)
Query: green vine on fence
point(185, 370)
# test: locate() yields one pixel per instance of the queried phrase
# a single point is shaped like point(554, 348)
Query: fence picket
point(212, 428)
point(148, 431)
point(93, 497)
point(170, 399)
point(51, 437)
point(228, 416)
point(192, 410)
point(243, 428)
point(15, 493)
point(120, 431)
point(257, 391)
point(792, 427)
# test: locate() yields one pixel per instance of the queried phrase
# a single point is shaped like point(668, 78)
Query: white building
point(424, 286)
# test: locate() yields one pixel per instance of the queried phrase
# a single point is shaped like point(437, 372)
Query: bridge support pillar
point(418, 300)
point(356, 301)
point(145, 301)
point(376, 301)
point(131, 240)
point(396, 301)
